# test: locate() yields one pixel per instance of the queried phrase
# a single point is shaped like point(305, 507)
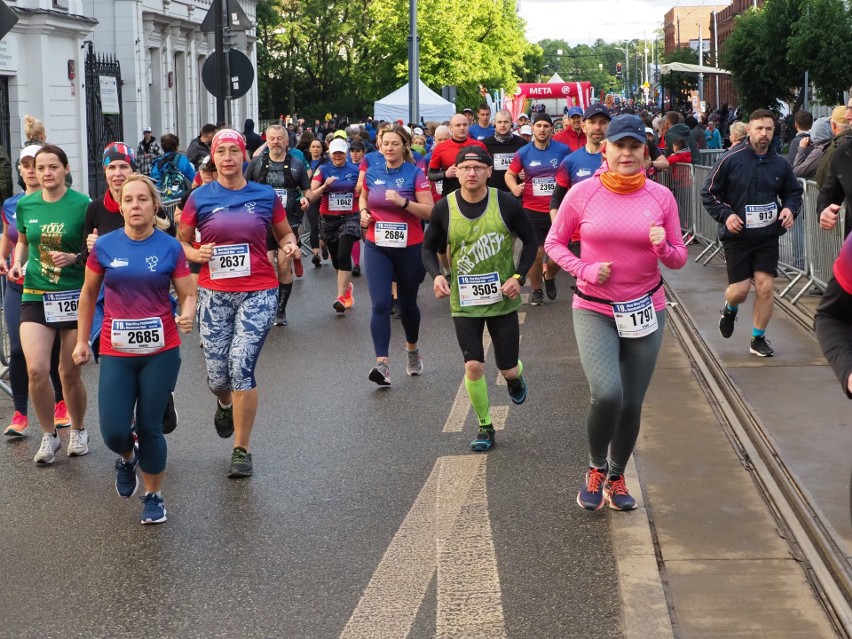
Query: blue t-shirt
point(540, 167)
point(339, 197)
point(480, 133)
point(579, 166)
point(10, 213)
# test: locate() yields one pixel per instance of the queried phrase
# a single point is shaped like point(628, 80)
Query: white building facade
point(159, 46)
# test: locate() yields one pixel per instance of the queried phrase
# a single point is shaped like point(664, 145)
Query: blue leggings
point(383, 266)
point(18, 377)
point(619, 371)
point(144, 382)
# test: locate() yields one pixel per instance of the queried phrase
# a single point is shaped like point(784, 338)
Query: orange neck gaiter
point(622, 184)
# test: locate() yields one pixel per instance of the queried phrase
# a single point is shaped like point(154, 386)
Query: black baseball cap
point(474, 154)
point(543, 117)
point(596, 109)
point(626, 126)
point(467, 110)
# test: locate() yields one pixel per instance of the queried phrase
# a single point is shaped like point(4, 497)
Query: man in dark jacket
point(803, 121)
point(253, 140)
point(199, 148)
point(742, 194)
point(840, 129)
point(672, 129)
point(837, 188)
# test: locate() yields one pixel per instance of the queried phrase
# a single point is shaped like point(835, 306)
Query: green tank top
point(482, 259)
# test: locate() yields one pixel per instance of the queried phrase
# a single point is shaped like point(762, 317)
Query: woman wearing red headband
point(238, 288)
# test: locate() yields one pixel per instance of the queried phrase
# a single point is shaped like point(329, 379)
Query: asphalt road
point(351, 523)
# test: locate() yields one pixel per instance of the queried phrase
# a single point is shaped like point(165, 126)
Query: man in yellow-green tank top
point(479, 225)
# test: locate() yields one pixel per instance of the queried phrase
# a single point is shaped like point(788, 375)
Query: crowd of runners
point(120, 278)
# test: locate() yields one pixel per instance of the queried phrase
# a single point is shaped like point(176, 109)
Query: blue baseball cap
point(575, 111)
point(626, 126)
point(597, 109)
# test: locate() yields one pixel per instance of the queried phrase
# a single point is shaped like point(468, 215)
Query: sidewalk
point(727, 570)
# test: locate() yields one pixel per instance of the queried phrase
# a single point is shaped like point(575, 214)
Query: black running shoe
point(760, 347)
point(356, 271)
point(170, 417)
point(550, 288)
point(224, 421)
point(726, 322)
point(484, 440)
point(324, 251)
point(316, 261)
point(517, 389)
point(280, 318)
point(537, 298)
point(241, 465)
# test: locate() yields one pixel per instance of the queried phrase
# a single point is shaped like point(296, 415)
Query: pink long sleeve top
point(616, 228)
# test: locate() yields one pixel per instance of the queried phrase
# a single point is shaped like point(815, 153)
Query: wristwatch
point(521, 279)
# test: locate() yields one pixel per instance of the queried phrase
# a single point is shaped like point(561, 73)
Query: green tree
point(677, 84)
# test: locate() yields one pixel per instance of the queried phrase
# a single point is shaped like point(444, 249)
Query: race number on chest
point(230, 260)
point(392, 234)
point(543, 186)
point(636, 318)
point(138, 336)
point(760, 215)
point(340, 201)
point(479, 290)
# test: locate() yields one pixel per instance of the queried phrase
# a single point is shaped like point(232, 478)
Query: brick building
point(725, 24)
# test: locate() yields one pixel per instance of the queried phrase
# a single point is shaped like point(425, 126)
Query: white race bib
point(439, 187)
point(282, 195)
point(197, 235)
point(140, 336)
point(230, 260)
point(502, 161)
point(61, 307)
point(760, 215)
point(636, 318)
point(340, 201)
point(392, 234)
point(543, 186)
point(480, 290)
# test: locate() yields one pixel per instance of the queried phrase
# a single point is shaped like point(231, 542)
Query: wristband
point(406, 203)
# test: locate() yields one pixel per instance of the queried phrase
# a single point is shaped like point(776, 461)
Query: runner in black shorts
point(742, 194)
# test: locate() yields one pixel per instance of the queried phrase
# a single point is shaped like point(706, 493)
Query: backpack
point(172, 184)
point(290, 182)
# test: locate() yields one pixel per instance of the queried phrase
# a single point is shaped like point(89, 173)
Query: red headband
point(227, 136)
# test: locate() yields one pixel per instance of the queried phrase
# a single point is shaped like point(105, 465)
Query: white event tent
point(395, 106)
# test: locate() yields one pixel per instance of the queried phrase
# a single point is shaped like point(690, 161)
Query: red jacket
point(573, 139)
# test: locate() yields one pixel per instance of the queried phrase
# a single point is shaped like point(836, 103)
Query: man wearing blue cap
point(572, 134)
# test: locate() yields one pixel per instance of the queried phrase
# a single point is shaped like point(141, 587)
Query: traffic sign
point(8, 19)
point(237, 18)
point(241, 77)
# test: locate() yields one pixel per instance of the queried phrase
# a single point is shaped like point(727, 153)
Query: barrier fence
point(806, 252)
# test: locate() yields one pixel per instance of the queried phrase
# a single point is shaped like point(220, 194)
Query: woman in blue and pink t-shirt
point(395, 200)
point(238, 288)
point(139, 343)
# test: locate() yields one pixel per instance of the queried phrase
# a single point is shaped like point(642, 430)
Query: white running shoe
point(78, 442)
point(47, 451)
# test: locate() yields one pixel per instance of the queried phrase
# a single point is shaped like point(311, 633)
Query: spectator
point(738, 131)
point(810, 149)
point(672, 129)
point(169, 143)
point(680, 152)
point(148, 151)
point(713, 139)
point(253, 140)
point(696, 132)
point(199, 148)
point(841, 133)
point(803, 121)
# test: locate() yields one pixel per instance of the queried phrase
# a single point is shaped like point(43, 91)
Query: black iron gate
point(103, 128)
point(5, 117)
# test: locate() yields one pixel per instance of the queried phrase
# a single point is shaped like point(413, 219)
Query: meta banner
point(577, 93)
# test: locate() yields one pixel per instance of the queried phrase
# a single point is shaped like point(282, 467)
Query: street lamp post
point(626, 50)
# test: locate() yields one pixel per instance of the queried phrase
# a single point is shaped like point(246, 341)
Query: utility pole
point(716, 55)
point(701, 64)
point(413, 65)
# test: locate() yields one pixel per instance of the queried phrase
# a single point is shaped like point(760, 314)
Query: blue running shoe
point(126, 479)
point(616, 494)
point(591, 495)
point(484, 440)
point(517, 389)
point(154, 510)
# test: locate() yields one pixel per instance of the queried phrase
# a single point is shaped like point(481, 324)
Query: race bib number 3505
point(480, 290)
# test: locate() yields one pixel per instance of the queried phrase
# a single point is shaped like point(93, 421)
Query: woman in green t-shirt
point(50, 238)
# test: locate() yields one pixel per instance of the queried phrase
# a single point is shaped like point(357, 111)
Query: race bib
point(479, 290)
point(282, 195)
point(543, 186)
point(636, 318)
point(760, 215)
point(197, 235)
point(229, 261)
point(61, 307)
point(340, 201)
point(141, 336)
point(392, 234)
point(439, 187)
point(502, 161)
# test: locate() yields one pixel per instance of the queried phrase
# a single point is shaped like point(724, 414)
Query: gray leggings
point(619, 372)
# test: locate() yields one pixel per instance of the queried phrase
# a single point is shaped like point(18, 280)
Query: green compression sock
point(478, 393)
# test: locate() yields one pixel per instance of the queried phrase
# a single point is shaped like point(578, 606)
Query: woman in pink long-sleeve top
point(628, 225)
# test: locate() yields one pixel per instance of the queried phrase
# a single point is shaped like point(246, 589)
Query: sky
point(584, 21)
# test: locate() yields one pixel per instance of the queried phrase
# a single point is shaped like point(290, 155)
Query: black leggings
point(313, 214)
point(341, 252)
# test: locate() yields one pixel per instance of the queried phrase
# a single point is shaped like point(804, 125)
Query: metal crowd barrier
point(805, 253)
point(169, 207)
point(708, 157)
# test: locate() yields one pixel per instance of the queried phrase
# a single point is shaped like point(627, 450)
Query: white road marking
point(447, 530)
point(499, 414)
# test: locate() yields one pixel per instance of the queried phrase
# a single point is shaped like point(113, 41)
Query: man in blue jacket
point(742, 194)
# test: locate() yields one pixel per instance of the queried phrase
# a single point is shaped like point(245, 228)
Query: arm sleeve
point(833, 325)
point(436, 175)
point(435, 237)
point(713, 192)
point(559, 192)
point(519, 223)
point(801, 166)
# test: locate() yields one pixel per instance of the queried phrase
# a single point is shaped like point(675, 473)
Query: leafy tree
point(678, 84)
